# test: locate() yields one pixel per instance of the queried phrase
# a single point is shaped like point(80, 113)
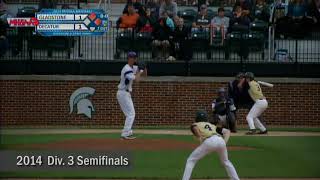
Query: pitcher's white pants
point(257, 109)
point(212, 144)
point(126, 104)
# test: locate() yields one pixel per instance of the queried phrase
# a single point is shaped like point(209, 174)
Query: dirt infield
point(194, 179)
point(139, 131)
point(118, 144)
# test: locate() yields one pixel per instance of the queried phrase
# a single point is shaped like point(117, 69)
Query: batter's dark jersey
point(241, 96)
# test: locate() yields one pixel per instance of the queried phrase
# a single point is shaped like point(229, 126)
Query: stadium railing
point(251, 46)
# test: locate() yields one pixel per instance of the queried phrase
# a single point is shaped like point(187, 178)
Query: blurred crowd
point(169, 29)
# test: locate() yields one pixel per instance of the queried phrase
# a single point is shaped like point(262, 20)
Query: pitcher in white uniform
point(213, 139)
point(129, 73)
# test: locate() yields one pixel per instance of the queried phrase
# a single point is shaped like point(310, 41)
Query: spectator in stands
point(3, 7)
point(314, 13)
point(47, 4)
point(296, 23)
point(240, 20)
point(261, 11)
point(154, 6)
point(245, 5)
point(129, 20)
point(199, 3)
point(3, 38)
point(137, 7)
point(297, 9)
point(220, 24)
point(161, 39)
point(4, 14)
point(183, 50)
point(202, 20)
point(168, 7)
point(146, 21)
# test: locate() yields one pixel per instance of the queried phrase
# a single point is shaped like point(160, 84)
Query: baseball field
point(161, 154)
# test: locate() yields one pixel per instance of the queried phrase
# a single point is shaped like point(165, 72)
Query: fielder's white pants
point(126, 104)
point(257, 109)
point(212, 144)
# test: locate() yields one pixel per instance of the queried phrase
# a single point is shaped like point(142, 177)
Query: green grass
point(294, 157)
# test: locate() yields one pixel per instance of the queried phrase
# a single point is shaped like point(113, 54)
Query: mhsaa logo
point(23, 22)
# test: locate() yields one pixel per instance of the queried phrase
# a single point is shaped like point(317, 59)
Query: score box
point(72, 22)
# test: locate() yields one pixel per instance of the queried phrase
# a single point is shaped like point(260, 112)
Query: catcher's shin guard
point(231, 121)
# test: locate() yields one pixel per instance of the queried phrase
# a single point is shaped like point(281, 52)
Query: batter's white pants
point(126, 104)
point(257, 109)
point(212, 144)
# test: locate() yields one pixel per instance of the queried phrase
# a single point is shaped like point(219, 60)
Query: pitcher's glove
point(141, 65)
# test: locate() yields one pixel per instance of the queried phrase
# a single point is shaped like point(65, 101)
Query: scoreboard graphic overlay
point(72, 22)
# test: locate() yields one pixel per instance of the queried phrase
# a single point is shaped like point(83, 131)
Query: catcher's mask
point(221, 92)
point(201, 116)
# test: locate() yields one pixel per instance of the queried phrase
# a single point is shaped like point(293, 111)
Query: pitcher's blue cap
point(132, 54)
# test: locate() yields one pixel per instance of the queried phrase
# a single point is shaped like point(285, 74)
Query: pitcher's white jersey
point(127, 77)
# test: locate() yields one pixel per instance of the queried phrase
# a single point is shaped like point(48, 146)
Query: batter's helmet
point(249, 75)
point(201, 116)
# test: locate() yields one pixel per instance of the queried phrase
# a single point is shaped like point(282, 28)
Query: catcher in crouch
point(213, 139)
point(223, 110)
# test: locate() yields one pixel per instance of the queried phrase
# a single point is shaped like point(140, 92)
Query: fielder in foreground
point(213, 139)
point(129, 73)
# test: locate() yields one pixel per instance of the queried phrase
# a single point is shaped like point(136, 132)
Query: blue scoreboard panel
point(72, 22)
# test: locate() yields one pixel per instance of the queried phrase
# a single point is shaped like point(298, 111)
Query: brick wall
point(31, 102)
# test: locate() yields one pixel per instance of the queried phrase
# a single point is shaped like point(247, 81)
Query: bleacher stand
point(3, 38)
point(219, 27)
point(182, 44)
point(158, 27)
point(144, 29)
point(161, 44)
point(296, 23)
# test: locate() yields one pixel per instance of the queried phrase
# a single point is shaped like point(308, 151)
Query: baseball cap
point(132, 54)
point(203, 6)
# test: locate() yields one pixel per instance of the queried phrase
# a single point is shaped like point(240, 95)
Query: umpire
point(238, 91)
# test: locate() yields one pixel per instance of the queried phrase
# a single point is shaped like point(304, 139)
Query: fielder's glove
point(141, 65)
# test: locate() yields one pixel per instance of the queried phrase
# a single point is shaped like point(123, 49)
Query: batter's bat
point(265, 84)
